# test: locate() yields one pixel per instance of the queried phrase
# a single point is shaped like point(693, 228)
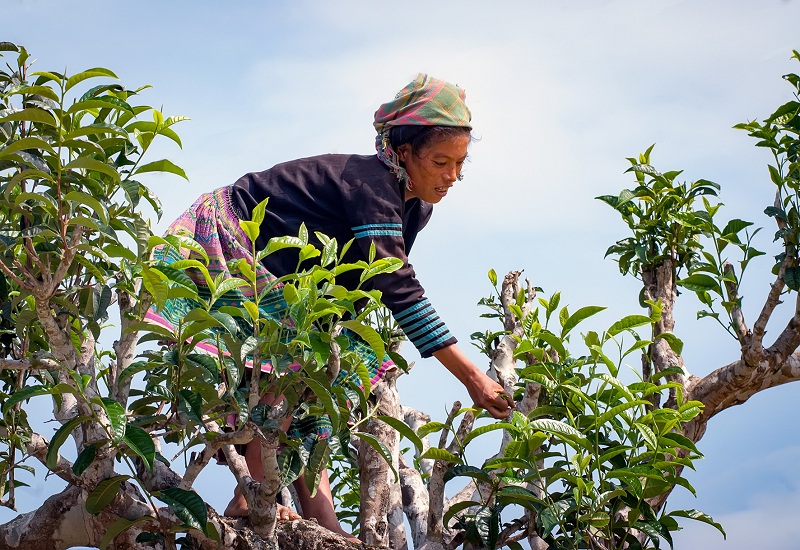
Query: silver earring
point(460, 177)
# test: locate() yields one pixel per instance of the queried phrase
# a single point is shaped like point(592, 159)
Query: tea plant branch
point(736, 382)
point(737, 317)
point(503, 364)
point(221, 439)
point(125, 346)
point(37, 447)
point(772, 301)
point(29, 280)
point(377, 470)
point(33, 363)
point(789, 339)
point(415, 502)
point(436, 493)
point(263, 511)
point(34, 260)
point(415, 420)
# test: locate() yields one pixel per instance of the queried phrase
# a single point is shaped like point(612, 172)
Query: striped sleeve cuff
point(422, 326)
point(378, 230)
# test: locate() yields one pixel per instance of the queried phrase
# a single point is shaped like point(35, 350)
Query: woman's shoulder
point(334, 161)
point(367, 170)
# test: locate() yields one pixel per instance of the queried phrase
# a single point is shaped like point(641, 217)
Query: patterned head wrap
point(426, 101)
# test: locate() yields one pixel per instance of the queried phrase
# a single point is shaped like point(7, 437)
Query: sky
point(561, 92)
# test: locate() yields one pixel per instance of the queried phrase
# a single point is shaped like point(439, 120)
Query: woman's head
point(425, 101)
point(433, 165)
point(419, 137)
point(425, 112)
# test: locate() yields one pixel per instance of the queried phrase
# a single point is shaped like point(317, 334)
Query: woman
point(382, 200)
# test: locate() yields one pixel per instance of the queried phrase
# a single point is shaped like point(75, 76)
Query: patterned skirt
point(214, 225)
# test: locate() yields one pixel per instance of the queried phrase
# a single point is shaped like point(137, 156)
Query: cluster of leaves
point(297, 343)
point(676, 222)
point(587, 459)
point(780, 133)
point(70, 213)
point(662, 216)
point(70, 163)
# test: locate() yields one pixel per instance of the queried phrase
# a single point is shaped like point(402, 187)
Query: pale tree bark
point(376, 476)
point(761, 366)
point(62, 521)
point(503, 368)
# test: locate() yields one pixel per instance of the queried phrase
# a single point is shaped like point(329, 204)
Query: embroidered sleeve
point(378, 220)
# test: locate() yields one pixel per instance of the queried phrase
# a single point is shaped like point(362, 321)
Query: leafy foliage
point(74, 240)
point(587, 459)
point(780, 133)
point(70, 212)
point(587, 463)
point(675, 222)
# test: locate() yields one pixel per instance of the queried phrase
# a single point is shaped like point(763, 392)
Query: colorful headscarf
point(426, 101)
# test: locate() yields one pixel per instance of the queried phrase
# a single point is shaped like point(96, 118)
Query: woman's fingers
point(494, 399)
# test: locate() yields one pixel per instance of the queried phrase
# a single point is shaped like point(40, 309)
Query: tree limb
point(772, 301)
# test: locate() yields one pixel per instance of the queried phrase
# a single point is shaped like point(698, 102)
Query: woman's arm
point(485, 392)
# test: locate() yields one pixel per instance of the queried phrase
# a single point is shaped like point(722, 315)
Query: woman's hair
point(420, 137)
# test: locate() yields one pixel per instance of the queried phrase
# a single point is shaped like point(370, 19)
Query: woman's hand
point(485, 392)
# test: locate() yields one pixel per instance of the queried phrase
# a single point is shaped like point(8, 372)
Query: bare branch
point(66, 259)
point(415, 502)
point(789, 339)
point(739, 324)
point(37, 448)
point(772, 301)
point(436, 482)
point(416, 419)
point(125, 347)
point(735, 383)
point(34, 363)
point(378, 504)
point(508, 295)
point(44, 271)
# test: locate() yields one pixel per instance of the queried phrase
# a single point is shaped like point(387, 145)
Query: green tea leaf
point(187, 505)
point(140, 442)
point(61, 435)
point(116, 415)
point(403, 429)
point(25, 144)
point(31, 114)
point(440, 454)
point(85, 459)
point(119, 526)
point(163, 165)
point(369, 335)
point(628, 322)
point(90, 73)
point(92, 165)
point(572, 321)
point(698, 282)
point(94, 205)
point(698, 516)
point(486, 429)
point(104, 494)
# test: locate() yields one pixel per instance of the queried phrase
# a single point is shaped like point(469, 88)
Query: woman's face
point(434, 169)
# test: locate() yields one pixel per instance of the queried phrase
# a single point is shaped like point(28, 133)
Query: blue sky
point(561, 94)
